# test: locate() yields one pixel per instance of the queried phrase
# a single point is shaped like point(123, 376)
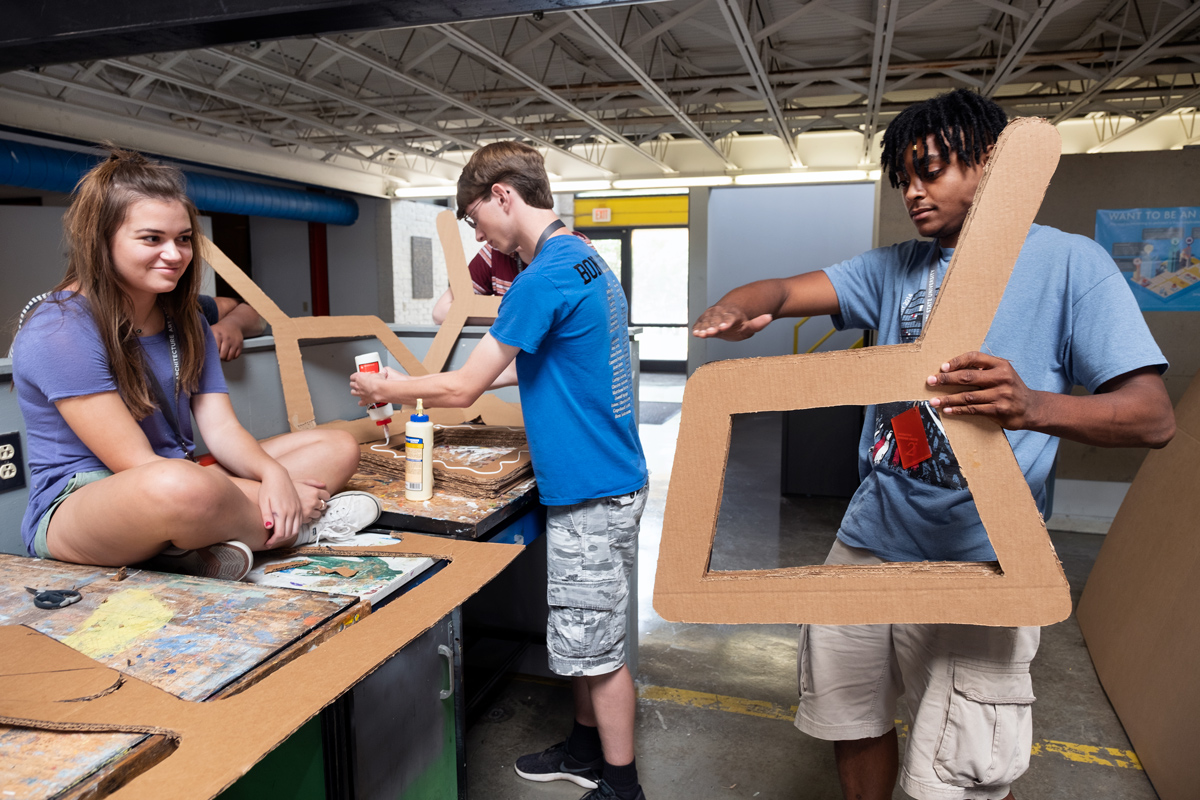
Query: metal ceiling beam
point(1187, 100)
point(1034, 26)
point(472, 47)
point(421, 86)
point(747, 49)
point(66, 31)
point(1143, 54)
point(254, 133)
point(341, 97)
point(656, 94)
point(885, 30)
point(302, 119)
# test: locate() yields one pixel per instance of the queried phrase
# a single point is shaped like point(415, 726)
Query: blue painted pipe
point(33, 166)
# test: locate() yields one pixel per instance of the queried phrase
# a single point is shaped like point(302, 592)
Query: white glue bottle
point(380, 412)
point(418, 456)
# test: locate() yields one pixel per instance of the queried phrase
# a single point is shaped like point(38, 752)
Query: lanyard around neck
point(169, 407)
point(927, 306)
point(551, 228)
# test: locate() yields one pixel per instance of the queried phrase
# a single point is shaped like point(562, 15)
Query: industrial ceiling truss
point(646, 90)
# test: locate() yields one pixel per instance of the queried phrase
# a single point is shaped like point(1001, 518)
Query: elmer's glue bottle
point(418, 456)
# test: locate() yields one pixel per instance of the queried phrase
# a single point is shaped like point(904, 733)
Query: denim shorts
point(590, 556)
point(77, 482)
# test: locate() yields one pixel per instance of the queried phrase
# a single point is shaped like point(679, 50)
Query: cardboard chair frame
point(289, 332)
point(1028, 588)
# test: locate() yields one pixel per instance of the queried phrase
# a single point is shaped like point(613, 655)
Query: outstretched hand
point(729, 323)
point(996, 391)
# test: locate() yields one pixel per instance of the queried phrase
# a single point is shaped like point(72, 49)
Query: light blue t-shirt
point(567, 313)
point(1067, 318)
point(59, 354)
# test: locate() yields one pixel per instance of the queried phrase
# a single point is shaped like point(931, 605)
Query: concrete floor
point(716, 701)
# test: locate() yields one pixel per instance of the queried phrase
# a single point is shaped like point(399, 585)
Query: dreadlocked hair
point(99, 205)
point(960, 121)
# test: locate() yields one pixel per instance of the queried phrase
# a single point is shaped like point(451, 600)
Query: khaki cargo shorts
point(590, 550)
point(967, 687)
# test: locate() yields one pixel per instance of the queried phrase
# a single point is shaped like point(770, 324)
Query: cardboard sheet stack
point(480, 460)
point(477, 461)
point(480, 472)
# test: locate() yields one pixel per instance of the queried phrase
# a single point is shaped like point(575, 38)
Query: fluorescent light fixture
point(668, 183)
point(425, 191)
point(631, 193)
point(812, 176)
point(562, 187)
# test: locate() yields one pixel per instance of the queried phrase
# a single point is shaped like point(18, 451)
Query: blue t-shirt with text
point(566, 312)
point(1067, 318)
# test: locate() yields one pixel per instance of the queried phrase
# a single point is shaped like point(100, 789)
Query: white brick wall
point(410, 219)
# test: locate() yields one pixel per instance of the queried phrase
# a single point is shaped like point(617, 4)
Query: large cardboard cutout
point(1140, 611)
point(289, 332)
point(49, 686)
point(1028, 588)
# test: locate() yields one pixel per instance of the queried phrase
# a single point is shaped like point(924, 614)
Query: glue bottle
point(418, 456)
point(380, 412)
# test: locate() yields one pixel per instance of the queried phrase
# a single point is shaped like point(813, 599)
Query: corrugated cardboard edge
point(1032, 589)
point(289, 332)
point(220, 740)
point(1140, 610)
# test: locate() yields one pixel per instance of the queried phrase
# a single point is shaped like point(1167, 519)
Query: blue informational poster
point(1154, 249)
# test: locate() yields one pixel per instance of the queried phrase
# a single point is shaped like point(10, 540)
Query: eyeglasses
point(467, 216)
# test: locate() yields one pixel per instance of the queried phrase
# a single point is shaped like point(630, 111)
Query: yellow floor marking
point(118, 621)
point(1078, 753)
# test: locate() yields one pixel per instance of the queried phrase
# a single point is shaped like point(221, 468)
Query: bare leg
point(131, 516)
point(327, 456)
point(134, 515)
point(867, 768)
point(608, 702)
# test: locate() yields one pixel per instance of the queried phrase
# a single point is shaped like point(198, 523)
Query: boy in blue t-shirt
point(1067, 318)
point(563, 323)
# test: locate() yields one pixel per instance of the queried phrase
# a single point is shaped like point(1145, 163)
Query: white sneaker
point(345, 515)
point(229, 561)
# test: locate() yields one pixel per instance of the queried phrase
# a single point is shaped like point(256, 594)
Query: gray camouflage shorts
point(590, 549)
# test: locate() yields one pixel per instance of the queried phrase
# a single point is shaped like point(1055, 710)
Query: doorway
point(652, 264)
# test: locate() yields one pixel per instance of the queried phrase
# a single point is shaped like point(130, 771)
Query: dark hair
point(99, 206)
point(962, 122)
point(518, 165)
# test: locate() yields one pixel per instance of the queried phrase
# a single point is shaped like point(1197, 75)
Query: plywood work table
point(196, 638)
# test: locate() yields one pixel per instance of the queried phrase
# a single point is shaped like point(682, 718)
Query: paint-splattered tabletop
point(189, 636)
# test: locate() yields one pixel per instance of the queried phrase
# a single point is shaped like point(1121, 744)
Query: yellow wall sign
point(631, 212)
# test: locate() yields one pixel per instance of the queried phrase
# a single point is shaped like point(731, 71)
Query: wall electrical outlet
point(12, 469)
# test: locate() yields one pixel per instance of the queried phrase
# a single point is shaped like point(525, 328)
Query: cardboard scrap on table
point(290, 331)
point(300, 562)
point(345, 572)
point(47, 685)
point(1029, 588)
point(1140, 610)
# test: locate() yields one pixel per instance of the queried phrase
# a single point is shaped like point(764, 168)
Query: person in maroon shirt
point(492, 272)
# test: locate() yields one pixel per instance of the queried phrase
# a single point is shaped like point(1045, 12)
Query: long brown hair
point(100, 203)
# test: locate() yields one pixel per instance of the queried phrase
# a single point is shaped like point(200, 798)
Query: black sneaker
point(605, 792)
point(556, 764)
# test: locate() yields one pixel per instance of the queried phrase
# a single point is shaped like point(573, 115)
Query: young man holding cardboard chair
point(1067, 318)
point(564, 322)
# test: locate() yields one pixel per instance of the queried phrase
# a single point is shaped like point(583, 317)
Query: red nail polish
point(270, 525)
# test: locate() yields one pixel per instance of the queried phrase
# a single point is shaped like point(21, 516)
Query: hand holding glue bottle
point(380, 412)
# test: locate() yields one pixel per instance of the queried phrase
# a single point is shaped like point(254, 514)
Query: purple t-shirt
point(59, 354)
